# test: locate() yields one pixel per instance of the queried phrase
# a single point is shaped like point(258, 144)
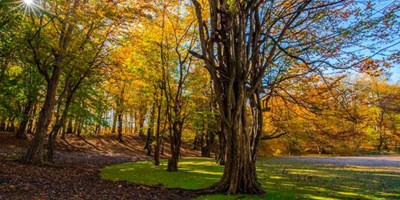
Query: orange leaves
point(373, 67)
point(368, 64)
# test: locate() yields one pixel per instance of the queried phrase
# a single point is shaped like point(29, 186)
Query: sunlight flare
point(28, 2)
point(28, 6)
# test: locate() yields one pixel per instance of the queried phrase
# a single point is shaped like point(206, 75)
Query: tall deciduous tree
point(248, 45)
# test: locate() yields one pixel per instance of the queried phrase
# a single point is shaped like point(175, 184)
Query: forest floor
point(78, 163)
point(75, 173)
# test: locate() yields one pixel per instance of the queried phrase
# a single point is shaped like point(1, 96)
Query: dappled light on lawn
point(281, 178)
point(192, 174)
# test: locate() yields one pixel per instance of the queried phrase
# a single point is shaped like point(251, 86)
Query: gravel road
point(384, 161)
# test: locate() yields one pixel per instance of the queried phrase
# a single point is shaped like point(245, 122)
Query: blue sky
point(395, 74)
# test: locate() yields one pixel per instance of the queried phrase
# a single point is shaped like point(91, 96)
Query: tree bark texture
point(21, 132)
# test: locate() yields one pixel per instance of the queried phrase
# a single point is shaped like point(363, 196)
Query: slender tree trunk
point(126, 128)
point(29, 129)
point(80, 126)
point(35, 124)
point(162, 146)
point(3, 125)
point(97, 131)
point(35, 150)
point(175, 142)
point(8, 124)
point(31, 120)
point(21, 132)
point(158, 138)
point(380, 144)
point(64, 131)
point(114, 126)
point(150, 130)
point(131, 124)
point(69, 127)
point(173, 161)
point(385, 145)
point(206, 149)
point(34, 153)
point(201, 139)
point(149, 141)
point(120, 104)
point(76, 127)
point(141, 126)
point(136, 123)
point(195, 143)
point(56, 129)
point(51, 142)
point(120, 128)
point(11, 125)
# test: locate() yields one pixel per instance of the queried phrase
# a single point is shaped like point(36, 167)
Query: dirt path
point(373, 161)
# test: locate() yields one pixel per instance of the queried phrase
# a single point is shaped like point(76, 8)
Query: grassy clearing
point(193, 173)
point(281, 178)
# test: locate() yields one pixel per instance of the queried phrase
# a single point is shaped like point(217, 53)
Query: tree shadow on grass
point(281, 180)
point(327, 181)
point(191, 174)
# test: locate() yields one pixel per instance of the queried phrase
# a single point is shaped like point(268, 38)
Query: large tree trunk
point(34, 153)
point(241, 152)
point(21, 132)
point(230, 50)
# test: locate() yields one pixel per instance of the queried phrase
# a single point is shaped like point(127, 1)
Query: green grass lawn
point(302, 181)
